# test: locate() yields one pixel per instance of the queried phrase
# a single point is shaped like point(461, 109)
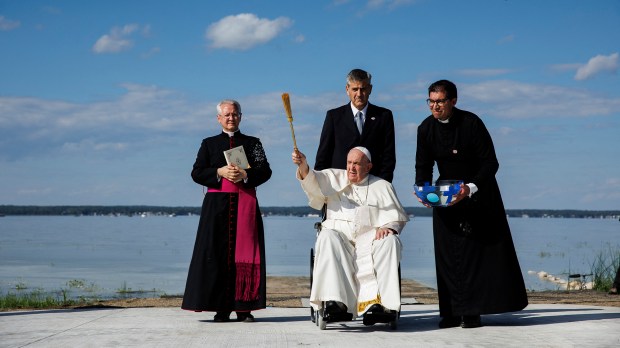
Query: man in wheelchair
point(358, 251)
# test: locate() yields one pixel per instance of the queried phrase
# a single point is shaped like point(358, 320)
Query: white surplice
point(349, 265)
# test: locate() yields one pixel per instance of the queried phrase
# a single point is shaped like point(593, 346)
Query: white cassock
point(350, 266)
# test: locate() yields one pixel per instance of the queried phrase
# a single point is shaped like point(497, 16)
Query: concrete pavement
point(536, 326)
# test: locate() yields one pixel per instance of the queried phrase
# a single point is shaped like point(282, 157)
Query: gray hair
point(228, 102)
point(358, 75)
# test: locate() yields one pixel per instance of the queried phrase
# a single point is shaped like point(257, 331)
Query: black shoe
point(376, 308)
point(471, 321)
point(336, 311)
point(334, 307)
point(245, 317)
point(379, 314)
point(221, 317)
point(447, 322)
point(369, 318)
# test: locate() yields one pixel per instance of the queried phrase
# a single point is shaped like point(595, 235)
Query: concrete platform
point(536, 326)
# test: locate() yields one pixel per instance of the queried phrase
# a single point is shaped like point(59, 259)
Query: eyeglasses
point(233, 115)
point(439, 102)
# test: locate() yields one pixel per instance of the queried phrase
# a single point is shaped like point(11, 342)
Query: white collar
point(355, 110)
point(230, 134)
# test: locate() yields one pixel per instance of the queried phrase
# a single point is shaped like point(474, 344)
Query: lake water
point(98, 256)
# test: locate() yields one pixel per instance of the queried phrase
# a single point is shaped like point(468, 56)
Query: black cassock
point(477, 267)
point(211, 280)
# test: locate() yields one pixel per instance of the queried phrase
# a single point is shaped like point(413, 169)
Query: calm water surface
point(97, 256)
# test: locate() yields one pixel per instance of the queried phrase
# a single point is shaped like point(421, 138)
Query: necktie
point(359, 121)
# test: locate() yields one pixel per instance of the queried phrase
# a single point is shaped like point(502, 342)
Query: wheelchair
point(375, 314)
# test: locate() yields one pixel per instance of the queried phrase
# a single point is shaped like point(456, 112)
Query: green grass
point(604, 268)
point(20, 297)
point(34, 299)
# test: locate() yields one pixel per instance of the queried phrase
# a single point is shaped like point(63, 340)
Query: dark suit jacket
point(340, 134)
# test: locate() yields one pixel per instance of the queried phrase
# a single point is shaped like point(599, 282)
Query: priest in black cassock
point(477, 267)
point(227, 272)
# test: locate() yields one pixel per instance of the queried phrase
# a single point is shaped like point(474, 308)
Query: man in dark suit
point(376, 130)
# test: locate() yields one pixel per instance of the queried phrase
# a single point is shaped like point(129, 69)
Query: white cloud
point(89, 145)
point(512, 99)
point(597, 65)
point(147, 114)
point(244, 31)
point(144, 117)
point(32, 126)
point(117, 40)
point(7, 24)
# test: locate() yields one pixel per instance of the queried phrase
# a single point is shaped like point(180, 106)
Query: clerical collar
point(447, 120)
point(230, 134)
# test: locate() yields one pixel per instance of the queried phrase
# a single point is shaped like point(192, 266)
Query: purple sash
point(247, 253)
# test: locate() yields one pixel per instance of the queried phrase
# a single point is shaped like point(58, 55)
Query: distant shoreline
point(300, 211)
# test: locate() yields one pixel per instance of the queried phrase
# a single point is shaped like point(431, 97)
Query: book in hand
point(237, 156)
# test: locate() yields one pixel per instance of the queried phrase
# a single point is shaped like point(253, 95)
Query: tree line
point(139, 210)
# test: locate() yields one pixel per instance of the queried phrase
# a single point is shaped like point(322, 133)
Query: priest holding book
point(227, 272)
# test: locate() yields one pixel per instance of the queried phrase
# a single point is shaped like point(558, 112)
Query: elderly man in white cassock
point(358, 250)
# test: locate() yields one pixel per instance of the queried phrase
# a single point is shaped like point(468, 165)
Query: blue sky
point(106, 102)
